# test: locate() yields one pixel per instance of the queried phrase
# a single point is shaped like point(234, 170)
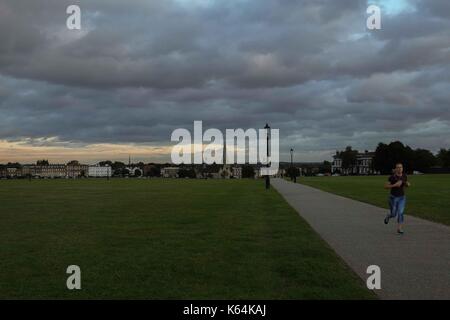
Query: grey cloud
point(140, 69)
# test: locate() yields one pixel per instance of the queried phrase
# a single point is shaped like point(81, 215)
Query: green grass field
point(163, 239)
point(428, 197)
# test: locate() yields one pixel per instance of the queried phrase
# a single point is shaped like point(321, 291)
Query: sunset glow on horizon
point(91, 154)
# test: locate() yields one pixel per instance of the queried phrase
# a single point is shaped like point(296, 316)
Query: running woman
point(397, 200)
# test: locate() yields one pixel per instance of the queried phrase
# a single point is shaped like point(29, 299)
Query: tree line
point(387, 155)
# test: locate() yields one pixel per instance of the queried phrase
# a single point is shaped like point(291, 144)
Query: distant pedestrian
point(397, 199)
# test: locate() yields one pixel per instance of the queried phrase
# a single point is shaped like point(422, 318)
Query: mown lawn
point(163, 239)
point(428, 197)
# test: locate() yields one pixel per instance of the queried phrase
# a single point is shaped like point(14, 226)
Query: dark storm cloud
point(139, 69)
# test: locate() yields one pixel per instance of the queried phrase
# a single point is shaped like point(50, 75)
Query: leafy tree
point(214, 167)
point(387, 155)
point(42, 163)
point(348, 157)
point(16, 165)
point(140, 164)
point(423, 160)
point(248, 171)
point(117, 165)
point(122, 172)
point(293, 172)
point(381, 161)
point(444, 158)
point(105, 163)
point(325, 167)
point(186, 173)
point(153, 171)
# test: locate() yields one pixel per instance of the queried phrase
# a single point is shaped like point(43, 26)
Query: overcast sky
point(139, 69)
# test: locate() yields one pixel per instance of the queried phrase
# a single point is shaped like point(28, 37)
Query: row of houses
point(77, 170)
point(55, 171)
point(362, 166)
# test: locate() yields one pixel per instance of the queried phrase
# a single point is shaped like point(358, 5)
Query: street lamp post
point(292, 164)
point(293, 171)
point(267, 127)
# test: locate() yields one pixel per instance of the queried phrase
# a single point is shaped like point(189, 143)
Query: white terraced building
point(100, 171)
point(363, 165)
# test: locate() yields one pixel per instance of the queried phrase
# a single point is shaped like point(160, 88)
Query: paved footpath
point(415, 265)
